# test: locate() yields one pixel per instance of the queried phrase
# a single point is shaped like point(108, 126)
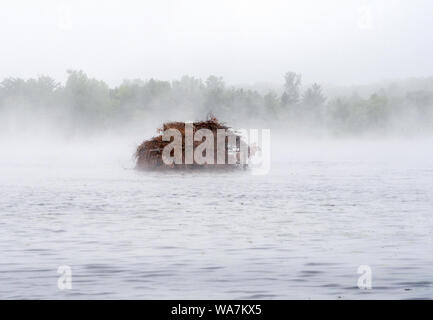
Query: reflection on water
point(301, 231)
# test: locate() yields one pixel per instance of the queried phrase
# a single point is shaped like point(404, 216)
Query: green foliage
point(313, 96)
point(84, 102)
point(292, 84)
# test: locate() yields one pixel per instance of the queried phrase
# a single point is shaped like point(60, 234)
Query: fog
point(345, 87)
point(354, 69)
point(83, 107)
point(246, 42)
point(73, 69)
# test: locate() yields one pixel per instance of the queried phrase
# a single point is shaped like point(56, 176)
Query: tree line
point(85, 103)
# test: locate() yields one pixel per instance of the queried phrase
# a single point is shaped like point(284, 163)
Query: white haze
point(351, 179)
point(340, 42)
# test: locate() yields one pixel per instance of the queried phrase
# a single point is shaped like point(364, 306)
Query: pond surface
point(301, 231)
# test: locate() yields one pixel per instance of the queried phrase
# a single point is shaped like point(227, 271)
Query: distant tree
point(271, 102)
point(420, 97)
point(313, 96)
point(292, 83)
point(89, 99)
point(284, 99)
point(36, 92)
point(376, 108)
point(188, 85)
point(129, 97)
point(157, 88)
point(87, 103)
point(128, 91)
point(214, 83)
point(12, 85)
point(215, 95)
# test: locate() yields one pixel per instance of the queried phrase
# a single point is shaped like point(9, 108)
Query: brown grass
point(149, 153)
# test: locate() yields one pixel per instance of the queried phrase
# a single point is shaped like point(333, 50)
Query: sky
point(245, 41)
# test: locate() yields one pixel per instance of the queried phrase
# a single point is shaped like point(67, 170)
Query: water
point(299, 232)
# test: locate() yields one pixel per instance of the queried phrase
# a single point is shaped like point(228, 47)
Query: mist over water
point(326, 207)
point(345, 89)
point(334, 199)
